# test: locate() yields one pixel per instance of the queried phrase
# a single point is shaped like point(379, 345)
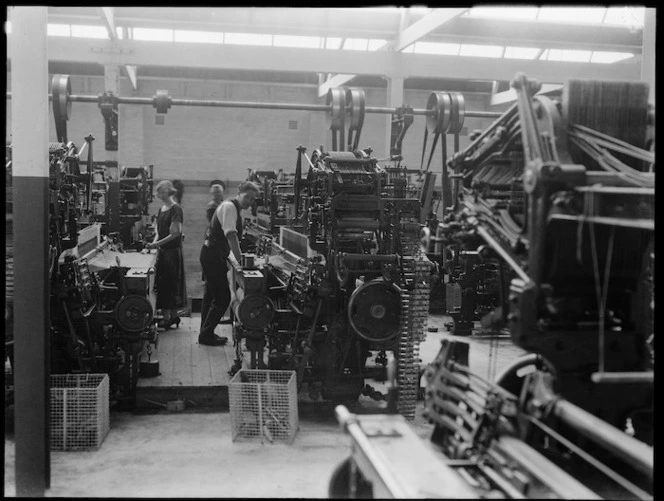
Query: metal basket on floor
point(263, 403)
point(79, 411)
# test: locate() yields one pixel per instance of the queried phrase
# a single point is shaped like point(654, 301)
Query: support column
point(30, 118)
point(648, 52)
point(111, 78)
point(394, 100)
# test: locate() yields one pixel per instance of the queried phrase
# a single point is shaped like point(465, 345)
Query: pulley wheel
point(374, 310)
point(336, 100)
point(458, 112)
point(133, 313)
point(441, 104)
point(255, 311)
point(61, 90)
point(355, 98)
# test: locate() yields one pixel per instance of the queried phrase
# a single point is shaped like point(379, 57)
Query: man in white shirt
point(222, 240)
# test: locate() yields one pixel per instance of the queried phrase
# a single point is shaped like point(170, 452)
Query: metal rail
point(79, 98)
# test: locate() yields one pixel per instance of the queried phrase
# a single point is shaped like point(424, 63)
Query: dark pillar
point(30, 115)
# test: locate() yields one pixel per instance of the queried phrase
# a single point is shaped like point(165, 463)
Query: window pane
point(8, 27)
point(521, 52)
point(88, 31)
point(582, 15)
point(522, 13)
point(609, 57)
point(375, 43)
point(450, 49)
point(481, 50)
point(153, 34)
point(332, 43)
point(296, 41)
point(626, 16)
point(58, 30)
point(247, 39)
point(118, 32)
point(198, 36)
point(580, 56)
point(356, 44)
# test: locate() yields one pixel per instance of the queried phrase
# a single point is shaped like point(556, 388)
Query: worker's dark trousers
point(217, 292)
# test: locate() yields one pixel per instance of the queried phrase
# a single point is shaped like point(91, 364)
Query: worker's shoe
point(212, 340)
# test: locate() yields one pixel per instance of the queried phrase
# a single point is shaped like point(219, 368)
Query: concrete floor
point(191, 454)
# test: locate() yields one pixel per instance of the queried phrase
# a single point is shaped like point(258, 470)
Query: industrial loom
point(102, 302)
point(556, 197)
point(344, 284)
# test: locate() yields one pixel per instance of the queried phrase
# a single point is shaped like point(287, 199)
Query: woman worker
point(170, 280)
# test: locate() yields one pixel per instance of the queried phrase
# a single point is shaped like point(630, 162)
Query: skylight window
point(332, 43)
point(356, 44)
point(198, 36)
point(632, 17)
point(481, 50)
point(625, 16)
point(449, 49)
point(58, 30)
point(88, 31)
point(572, 15)
point(153, 34)
point(297, 41)
point(522, 13)
point(578, 56)
point(521, 52)
point(247, 39)
point(609, 57)
point(375, 44)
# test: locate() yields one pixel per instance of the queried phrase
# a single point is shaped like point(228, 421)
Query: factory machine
point(557, 196)
point(274, 207)
point(102, 304)
point(344, 286)
point(129, 196)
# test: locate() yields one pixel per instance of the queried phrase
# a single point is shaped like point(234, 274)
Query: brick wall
point(202, 143)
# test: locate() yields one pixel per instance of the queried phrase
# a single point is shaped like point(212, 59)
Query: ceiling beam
point(131, 73)
point(510, 95)
point(396, 64)
point(432, 20)
point(336, 81)
point(108, 17)
point(421, 28)
point(352, 23)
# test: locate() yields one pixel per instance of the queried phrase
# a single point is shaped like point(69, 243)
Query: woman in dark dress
point(170, 280)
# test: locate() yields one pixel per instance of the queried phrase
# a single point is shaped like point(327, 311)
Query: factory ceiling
point(400, 28)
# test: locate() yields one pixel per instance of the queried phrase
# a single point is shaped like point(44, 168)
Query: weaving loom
point(553, 207)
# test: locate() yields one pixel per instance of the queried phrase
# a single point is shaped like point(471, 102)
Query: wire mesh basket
point(263, 403)
point(79, 411)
